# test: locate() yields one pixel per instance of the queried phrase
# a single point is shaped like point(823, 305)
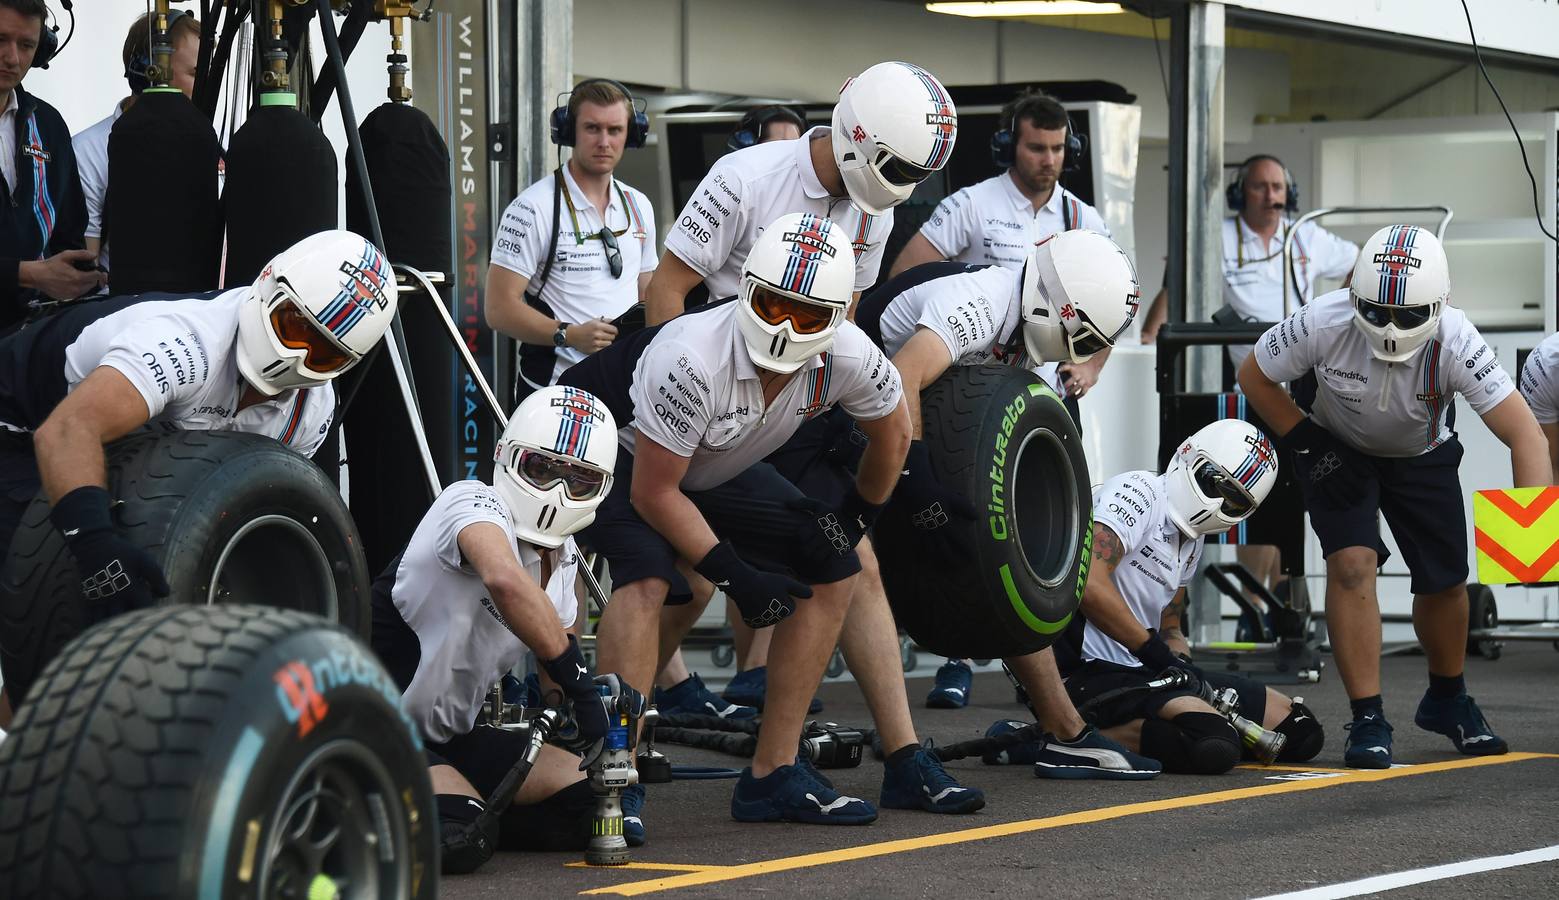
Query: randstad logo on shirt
point(1341, 373)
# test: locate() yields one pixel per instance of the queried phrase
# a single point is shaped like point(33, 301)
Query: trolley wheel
point(908, 658)
point(723, 655)
point(835, 664)
point(1482, 613)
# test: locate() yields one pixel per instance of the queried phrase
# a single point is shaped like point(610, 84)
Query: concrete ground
point(1250, 833)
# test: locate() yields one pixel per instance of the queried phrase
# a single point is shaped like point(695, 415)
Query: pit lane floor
point(1253, 832)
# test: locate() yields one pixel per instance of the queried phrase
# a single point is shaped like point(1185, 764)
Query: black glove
point(573, 676)
point(1330, 466)
point(116, 575)
point(932, 506)
point(832, 532)
point(1156, 656)
point(763, 598)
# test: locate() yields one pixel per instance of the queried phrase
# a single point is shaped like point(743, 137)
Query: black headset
point(750, 130)
point(1004, 143)
point(49, 37)
point(1234, 194)
point(135, 72)
point(563, 122)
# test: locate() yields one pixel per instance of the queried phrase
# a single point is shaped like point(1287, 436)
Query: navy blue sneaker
point(1369, 742)
point(1092, 755)
point(692, 697)
point(1024, 754)
point(803, 761)
point(920, 782)
point(633, 808)
point(748, 688)
point(791, 794)
point(951, 690)
point(1460, 719)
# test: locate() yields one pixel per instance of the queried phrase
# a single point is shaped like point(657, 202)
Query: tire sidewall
point(315, 689)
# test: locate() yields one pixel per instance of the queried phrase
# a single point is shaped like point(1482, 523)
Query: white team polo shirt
point(1384, 409)
point(182, 356)
point(1159, 559)
point(1540, 380)
point(992, 222)
point(91, 147)
point(580, 286)
point(696, 392)
point(972, 312)
point(466, 644)
point(1253, 270)
point(748, 189)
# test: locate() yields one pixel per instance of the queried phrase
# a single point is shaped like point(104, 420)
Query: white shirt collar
point(10, 103)
point(810, 183)
point(581, 202)
point(1023, 204)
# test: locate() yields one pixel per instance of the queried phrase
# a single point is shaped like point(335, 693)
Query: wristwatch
point(560, 337)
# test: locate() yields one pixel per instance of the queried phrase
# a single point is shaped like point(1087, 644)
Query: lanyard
point(573, 214)
point(1239, 244)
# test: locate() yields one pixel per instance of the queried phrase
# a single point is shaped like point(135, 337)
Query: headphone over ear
point(1234, 194)
point(48, 43)
point(1004, 143)
point(563, 122)
point(750, 130)
point(135, 72)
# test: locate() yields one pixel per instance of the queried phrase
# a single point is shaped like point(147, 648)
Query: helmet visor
point(545, 471)
point(777, 309)
point(1216, 484)
point(1404, 317)
point(297, 330)
point(900, 172)
point(1086, 339)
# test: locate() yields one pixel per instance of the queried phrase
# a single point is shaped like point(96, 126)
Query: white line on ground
point(1420, 876)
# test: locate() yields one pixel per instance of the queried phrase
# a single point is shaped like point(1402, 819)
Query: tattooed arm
point(1103, 604)
point(1169, 626)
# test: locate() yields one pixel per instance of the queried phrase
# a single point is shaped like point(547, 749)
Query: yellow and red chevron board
point(1517, 534)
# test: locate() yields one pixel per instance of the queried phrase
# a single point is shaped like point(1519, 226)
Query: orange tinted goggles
point(777, 309)
point(296, 330)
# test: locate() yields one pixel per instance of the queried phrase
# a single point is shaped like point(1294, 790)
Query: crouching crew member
point(488, 574)
point(1389, 355)
point(1540, 387)
point(1147, 537)
point(943, 314)
point(709, 395)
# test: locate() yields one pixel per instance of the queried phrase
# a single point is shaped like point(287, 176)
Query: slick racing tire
point(1003, 439)
point(224, 751)
point(232, 518)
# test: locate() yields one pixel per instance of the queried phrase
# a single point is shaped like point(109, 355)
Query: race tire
point(1004, 439)
point(232, 518)
point(225, 751)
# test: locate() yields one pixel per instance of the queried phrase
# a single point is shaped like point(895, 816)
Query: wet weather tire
point(232, 518)
point(1003, 438)
point(223, 751)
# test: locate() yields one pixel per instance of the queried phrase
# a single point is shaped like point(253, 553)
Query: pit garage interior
point(1381, 105)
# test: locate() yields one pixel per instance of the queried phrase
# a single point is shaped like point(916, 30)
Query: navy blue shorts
point(821, 458)
point(1097, 677)
point(1421, 499)
point(750, 511)
point(19, 483)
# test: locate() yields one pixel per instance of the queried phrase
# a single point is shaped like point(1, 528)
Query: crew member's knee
point(467, 838)
point(1192, 743)
point(1352, 568)
point(644, 594)
point(1304, 734)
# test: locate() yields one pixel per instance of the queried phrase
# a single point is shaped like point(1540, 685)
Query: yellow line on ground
point(653, 867)
point(1256, 768)
point(1085, 817)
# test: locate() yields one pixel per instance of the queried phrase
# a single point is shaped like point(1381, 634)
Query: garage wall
point(806, 48)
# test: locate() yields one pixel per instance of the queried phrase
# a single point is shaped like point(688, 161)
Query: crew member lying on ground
point(1075, 295)
point(256, 359)
point(1387, 357)
point(709, 395)
point(1147, 537)
point(488, 574)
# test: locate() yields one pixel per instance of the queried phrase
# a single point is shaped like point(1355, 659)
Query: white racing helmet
point(315, 310)
point(1219, 476)
point(796, 288)
point(1400, 283)
point(553, 464)
point(894, 126)
point(1080, 293)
